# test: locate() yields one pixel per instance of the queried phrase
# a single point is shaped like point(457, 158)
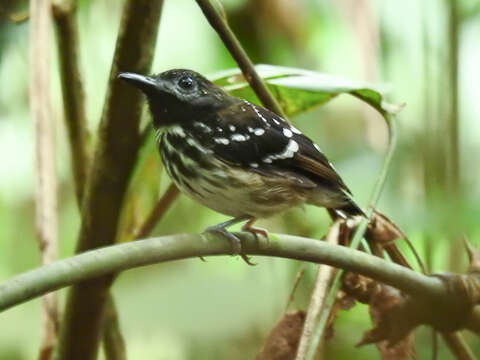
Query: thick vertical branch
point(114, 159)
point(219, 23)
point(46, 187)
point(76, 123)
point(72, 92)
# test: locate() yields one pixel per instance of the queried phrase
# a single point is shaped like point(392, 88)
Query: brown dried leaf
point(393, 336)
point(282, 342)
point(382, 302)
point(382, 230)
point(473, 257)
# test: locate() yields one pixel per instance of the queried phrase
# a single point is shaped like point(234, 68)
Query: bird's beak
point(144, 83)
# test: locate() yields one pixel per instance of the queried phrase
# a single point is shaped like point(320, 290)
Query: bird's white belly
point(237, 192)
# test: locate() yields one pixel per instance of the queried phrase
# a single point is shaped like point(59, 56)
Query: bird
point(235, 157)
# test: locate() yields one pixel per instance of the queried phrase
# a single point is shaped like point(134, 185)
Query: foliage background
point(223, 309)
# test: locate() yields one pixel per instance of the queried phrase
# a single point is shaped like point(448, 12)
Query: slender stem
point(72, 92)
point(46, 189)
point(359, 233)
point(116, 258)
point(296, 282)
point(113, 162)
point(113, 341)
point(218, 21)
point(158, 211)
point(458, 346)
point(453, 116)
point(324, 277)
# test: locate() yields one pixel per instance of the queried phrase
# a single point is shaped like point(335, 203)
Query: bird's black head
point(179, 96)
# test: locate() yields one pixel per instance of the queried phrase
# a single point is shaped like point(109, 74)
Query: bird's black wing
point(256, 138)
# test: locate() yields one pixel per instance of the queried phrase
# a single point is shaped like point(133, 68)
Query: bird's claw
point(256, 231)
point(234, 241)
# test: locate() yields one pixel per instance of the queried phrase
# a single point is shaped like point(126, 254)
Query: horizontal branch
point(116, 258)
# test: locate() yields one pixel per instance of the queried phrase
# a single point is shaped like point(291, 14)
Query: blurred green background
point(223, 309)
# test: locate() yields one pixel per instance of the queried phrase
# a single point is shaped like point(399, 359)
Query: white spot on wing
point(238, 137)
point(289, 152)
point(317, 147)
point(259, 131)
point(287, 132)
point(232, 127)
point(295, 130)
point(223, 141)
point(254, 165)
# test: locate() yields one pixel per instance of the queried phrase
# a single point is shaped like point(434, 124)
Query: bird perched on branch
point(235, 157)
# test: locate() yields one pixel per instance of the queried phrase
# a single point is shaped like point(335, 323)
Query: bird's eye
point(186, 83)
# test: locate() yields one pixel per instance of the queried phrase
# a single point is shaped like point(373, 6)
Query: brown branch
point(76, 122)
point(74, 108)
point(219, 23)
point(157, 212)
point(73, 93)
point(46, 197)
point(113, 162)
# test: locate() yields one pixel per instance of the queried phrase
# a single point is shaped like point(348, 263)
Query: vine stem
point(115, 258)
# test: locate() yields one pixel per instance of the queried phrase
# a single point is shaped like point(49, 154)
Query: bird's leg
point(253, 230)
point(234, 241)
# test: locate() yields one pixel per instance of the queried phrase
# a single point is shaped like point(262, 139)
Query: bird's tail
point(349, 209)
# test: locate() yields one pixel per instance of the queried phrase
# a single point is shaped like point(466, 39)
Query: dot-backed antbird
point(237, 158)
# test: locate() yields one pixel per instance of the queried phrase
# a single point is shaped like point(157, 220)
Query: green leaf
point(299, 90)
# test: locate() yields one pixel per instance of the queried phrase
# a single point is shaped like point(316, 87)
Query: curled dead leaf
point(282, 342)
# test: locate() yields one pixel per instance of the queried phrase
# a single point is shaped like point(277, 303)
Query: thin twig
point(218, 21)
point(158, 211)
point(458, 346)
point(359, 233)
point(112, 165)
point(113, 341)
point(296, 282)
point(72, 92)
point(46, 196)
point(324, 277)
